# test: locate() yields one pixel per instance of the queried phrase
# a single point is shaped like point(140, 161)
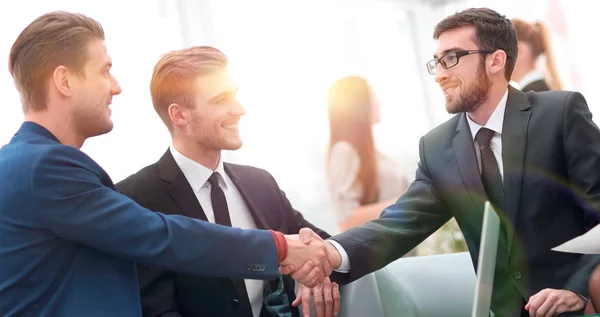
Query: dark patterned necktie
point(506, 299)
point(490, 173)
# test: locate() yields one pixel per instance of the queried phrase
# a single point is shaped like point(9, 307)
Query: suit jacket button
point(235, 304)
point(517, 275)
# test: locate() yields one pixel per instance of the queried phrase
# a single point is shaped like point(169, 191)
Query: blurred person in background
point(361, 179)
point(534, 42)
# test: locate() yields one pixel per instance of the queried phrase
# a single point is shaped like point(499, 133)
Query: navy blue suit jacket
point(69, 242)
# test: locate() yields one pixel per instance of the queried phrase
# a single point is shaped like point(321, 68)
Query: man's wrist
point(333, 255)
point(280, 245)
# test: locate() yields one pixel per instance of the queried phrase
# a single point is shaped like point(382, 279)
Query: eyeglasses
point(451, 59)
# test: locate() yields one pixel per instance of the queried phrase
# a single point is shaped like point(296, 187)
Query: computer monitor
point(487, 262)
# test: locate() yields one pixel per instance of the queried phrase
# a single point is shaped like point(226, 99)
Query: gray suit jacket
point(551, 157)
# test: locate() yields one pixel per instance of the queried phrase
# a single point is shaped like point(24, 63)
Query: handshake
point(310, 259)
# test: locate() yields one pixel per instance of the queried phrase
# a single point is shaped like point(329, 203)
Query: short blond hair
point(53, 39)
point(174, 75)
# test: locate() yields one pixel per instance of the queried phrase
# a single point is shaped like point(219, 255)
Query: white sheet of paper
point(587, 243)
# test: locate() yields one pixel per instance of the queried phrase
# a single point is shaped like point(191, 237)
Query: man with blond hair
point(195, 96)
point(68, 240)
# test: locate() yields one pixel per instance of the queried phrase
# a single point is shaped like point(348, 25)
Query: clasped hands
point(310, 261)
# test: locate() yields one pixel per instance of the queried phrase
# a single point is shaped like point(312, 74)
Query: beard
point(473, 96)
point(209, 137)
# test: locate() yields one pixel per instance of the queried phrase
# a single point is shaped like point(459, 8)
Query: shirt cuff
point(584, 298)
point(345, 265)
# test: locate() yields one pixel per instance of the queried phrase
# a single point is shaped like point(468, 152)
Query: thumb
point(285, 270)
point(306, 234)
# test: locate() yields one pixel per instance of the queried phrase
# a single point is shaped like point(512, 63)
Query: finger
point(311, 279)
point(547, 306)
point(306, 302)
point(318, 298)
point(531, 299)
point(298, 299)
point(327, 297)
point(285, 270)
point(303, 271)
point(536, 304)
point(553, 311)
point(335, 290)
point(319, 264)
point(534, 299)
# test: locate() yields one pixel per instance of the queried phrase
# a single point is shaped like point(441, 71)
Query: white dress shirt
point(197, 176)
point(530, 77)
point(494, 123)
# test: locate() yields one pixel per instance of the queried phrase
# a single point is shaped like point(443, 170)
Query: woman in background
point(362, 181)
point(534, 41)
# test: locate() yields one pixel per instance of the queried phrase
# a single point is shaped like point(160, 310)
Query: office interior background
point(285, 54)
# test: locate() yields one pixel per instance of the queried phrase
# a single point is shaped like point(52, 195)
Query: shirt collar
point(195, 173)
point(496, 119)
point(530, 77)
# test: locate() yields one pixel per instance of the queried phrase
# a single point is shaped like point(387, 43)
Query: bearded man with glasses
point(534, 156)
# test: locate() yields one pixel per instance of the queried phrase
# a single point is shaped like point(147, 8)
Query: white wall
point(284, 55)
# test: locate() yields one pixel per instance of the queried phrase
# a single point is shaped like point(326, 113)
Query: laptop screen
point(487, 262)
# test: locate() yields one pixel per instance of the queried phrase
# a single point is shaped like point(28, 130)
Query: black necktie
point(219, 203)
point(506, 296)
point(221, 211)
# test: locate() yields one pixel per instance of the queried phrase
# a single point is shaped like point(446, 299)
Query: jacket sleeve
point(76, 204)
point(582, 154)
point(401, 227)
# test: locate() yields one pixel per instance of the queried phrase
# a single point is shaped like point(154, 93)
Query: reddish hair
point(350, 120)
point(537, 36)
point(174, 75)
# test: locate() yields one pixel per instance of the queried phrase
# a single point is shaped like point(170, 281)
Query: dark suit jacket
point(551, 159)
point(538, 85)
point(163, 187)
point(69, 242)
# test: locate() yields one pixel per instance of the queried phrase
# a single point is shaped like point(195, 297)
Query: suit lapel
point(179, 188)
point(466, 159)
point(184, 196)
point(247, 188)
point(514, 141)
point(250, 193)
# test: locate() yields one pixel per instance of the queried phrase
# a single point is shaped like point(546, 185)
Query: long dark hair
point(350, 120)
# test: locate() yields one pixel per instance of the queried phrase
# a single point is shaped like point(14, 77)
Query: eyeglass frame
point(459, 54)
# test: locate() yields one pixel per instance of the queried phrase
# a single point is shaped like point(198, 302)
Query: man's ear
point(178, 114)
point(61, 79)
point(497, 62)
